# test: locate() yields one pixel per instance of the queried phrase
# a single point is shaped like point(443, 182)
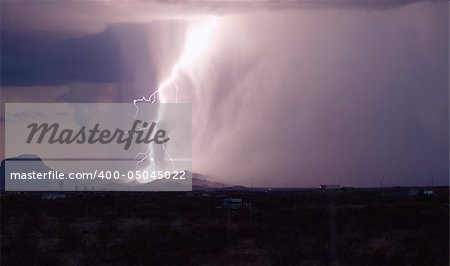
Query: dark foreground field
point(281, 227)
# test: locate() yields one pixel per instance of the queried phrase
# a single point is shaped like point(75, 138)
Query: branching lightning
point(196, 43)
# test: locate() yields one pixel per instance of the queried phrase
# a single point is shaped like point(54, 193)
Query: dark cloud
point(45, 42)
point(31, 59)
point(119, 54)
point(227, 7)
point(91, 16)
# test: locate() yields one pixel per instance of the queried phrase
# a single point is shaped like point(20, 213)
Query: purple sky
point(301, 93)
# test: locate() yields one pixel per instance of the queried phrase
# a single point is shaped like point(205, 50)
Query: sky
point(296, 93)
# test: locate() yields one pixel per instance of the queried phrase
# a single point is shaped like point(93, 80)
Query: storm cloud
point(297, 93)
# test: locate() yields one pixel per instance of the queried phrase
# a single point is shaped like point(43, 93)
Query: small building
point(428, 192)
point(232, 203)
point(53, 195)
point(413, 193)
point(330, 187)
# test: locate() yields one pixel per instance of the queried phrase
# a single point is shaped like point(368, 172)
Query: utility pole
point(228, 218)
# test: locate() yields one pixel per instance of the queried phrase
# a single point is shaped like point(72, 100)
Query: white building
point(232, 203)
point(330, 187)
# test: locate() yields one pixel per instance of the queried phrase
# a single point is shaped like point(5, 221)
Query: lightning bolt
point(196, 43)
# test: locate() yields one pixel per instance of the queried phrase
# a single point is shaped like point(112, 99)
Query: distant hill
point(203, 182)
